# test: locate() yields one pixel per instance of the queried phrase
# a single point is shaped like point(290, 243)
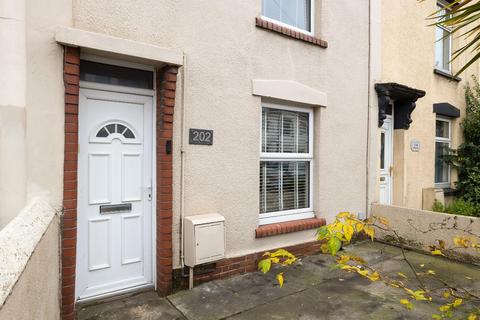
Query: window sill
point(288, 227)
point(449, 192)
point(444, 185)
point(446, 75)
point(261, 23)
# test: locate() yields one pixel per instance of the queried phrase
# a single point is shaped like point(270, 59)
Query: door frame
point(138, 92)
point(389, 118)
point(165, 85)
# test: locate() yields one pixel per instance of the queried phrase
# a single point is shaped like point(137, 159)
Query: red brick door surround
point(166, 79)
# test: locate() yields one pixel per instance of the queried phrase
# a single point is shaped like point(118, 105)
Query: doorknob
point(390, 170)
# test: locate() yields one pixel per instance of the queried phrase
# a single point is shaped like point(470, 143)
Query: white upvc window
point(443, 42)
point(286, 164)
point(443, 143)
point(295, 14)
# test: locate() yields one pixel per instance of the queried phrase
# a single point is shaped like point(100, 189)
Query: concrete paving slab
point(373, 252)
point(222, 298)
point(334, 300)
point(144, 306)
point(210, 301)
point(464, 275)
point(311, 291)
point(248, 291)
point(311, 270)
point(355, 298)
point(454, 272)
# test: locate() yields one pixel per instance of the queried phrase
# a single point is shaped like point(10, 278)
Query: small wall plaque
point(415, 145)
point(200, 136)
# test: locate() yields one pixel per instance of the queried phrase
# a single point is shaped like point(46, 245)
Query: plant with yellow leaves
point(341, 232)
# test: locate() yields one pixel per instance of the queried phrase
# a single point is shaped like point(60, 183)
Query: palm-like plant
point(462, 18)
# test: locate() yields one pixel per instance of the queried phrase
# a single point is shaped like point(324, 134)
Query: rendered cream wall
point(12, 109)
point(411, 224)
point(31, 136)
point(408, 58)
point(12, 162)
point(45, 98)
point(224, 52)
point(35, 130)
point(36, 293)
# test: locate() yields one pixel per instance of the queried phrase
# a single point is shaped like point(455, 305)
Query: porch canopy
point(399, 100)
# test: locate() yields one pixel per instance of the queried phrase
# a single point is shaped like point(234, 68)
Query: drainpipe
point(13, 66)
point(374, 73)
point(182, 164)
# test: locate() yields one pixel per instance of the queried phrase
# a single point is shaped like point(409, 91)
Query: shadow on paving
point(311, 291)
point(144, 306)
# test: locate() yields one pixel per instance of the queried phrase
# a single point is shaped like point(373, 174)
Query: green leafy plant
point(466, 159)
point(438, 206)
point(459, 207)
point(463, 207)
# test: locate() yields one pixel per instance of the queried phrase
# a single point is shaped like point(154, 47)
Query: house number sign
point(200, 136)
point(415, 145)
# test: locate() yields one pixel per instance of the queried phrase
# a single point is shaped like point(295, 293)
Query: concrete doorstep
point(311, 291)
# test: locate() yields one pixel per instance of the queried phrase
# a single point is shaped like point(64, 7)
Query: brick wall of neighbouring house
point(71, 77)
point(166, 86)
point(238, 265)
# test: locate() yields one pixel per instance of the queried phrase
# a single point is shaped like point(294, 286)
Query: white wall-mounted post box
point(204, 238)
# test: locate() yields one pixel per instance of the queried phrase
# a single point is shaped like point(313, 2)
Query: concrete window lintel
point(114, 47)
point(290, 91)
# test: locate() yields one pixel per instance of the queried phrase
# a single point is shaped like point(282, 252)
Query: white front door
point(114, 236)
point(386, 161)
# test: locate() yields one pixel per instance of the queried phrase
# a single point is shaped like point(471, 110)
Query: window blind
point(284, 185)
point(284, 131)
point(285, 181)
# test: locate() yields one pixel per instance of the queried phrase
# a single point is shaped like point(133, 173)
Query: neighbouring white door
point(114, 235)
point(386, 161)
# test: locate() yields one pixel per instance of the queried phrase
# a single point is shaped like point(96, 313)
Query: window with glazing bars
point(443, 143)
point(443, 43)
point(286, 161)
